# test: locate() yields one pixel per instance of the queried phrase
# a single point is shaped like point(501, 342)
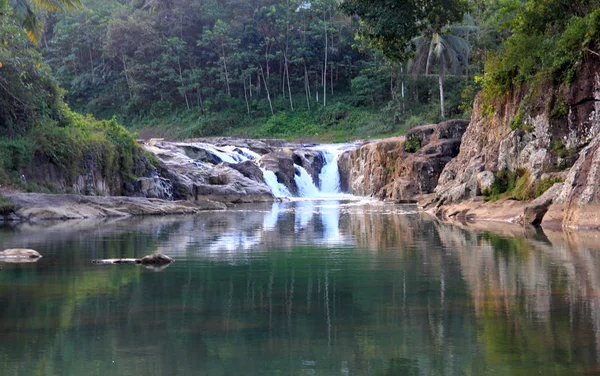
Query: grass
point(6, 206)
point(518, 185)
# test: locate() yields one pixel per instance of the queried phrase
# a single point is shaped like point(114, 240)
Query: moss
point(412, 144)
point(559, 148)
point(516, 185)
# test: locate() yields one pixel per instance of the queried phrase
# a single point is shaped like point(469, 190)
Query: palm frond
point(29, 20)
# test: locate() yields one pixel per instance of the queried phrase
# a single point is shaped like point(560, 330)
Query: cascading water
point(327, 186)
point(330, 175)
point(305, 184)
point(278, 189)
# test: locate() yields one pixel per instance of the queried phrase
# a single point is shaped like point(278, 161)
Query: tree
point(392, 25)
point(25, 11)
point(446, 47)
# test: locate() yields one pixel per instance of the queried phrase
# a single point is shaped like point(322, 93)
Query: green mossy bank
point(44, 146)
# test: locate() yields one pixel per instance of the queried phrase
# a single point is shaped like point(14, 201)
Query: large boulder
point(249, 169)
point(402, 168)
point(311, 160)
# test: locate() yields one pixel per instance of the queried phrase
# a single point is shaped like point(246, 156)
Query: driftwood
point(152, 260)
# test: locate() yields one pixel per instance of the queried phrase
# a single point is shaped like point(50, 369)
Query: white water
point(328, 180)
point(305, 184)
point(330, 174)
point(278, 189)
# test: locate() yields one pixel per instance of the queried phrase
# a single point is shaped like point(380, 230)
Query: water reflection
point(305, 287)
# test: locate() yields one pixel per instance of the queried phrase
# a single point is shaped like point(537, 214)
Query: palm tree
point(448, 47)
point(25, 10)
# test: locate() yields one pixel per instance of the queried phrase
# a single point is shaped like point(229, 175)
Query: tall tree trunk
point(201, 102)
point(331, 79)
point(441, 84)
point(402, 89)
point(325, 65)
point(306, 86)
point(91, 62)
point(225, 68)
point(187, 103)
point(267, 90)
point(287, 72)
point(126, 76)
point(246, 97)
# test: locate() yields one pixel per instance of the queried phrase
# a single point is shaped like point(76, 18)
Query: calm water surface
point(300, 288)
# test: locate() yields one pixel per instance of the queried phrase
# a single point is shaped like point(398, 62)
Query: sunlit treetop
point(391, 25)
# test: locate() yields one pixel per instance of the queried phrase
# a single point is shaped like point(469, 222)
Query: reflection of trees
point(394, 294)
point(536, 300)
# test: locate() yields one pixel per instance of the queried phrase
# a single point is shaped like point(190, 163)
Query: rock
point(384, 168)
point(485, 180)
point(282, 164)
point(533, 213)
point(19, 253)
point(40, 206)
point(195, 180)
point(156, 259)
point(155, 187)
point(312, 161)
point(248, 169)
point(541, 135)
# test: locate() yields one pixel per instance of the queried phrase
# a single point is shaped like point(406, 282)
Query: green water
point(307, 288)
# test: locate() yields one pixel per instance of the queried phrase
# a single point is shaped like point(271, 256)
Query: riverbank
point(41, 206)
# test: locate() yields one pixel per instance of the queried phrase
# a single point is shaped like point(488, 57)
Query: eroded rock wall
point(540, 131)
point(386, 170)
point(552, 131)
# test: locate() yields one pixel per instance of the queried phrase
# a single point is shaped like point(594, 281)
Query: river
point(334, 287)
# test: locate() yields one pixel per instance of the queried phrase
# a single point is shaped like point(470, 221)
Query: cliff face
point(551, 132)
point(403, 167)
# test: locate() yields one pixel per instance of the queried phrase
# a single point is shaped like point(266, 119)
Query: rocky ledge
point(402, 168)
point(38, 206)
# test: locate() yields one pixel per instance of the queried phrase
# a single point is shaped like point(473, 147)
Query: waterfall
point(278, 189)
point(305, 184)
point(330, 175)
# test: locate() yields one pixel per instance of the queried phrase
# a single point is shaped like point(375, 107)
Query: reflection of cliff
point(530, 290)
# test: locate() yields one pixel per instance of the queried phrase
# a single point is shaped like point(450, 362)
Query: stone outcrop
point(197, 171)
point(551, 132)
point(540, 135)
point(401, 168)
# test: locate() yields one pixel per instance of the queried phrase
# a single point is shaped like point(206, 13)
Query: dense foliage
point(36, 126)
point(548, 40)
point(190, 68)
